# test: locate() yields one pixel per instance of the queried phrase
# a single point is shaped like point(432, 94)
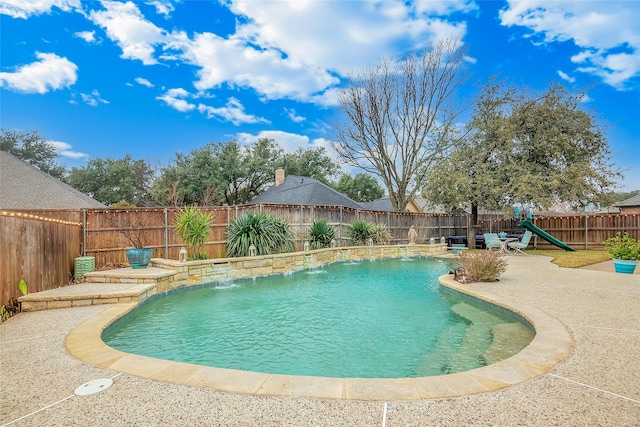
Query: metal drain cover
point(94, 386)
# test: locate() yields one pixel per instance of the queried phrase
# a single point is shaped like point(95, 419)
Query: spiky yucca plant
point(269, 234)
point(321, 234)
point(359, 231)
point(193, 226)
point(380, 235)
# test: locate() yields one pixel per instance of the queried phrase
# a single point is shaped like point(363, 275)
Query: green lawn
point(576, 259)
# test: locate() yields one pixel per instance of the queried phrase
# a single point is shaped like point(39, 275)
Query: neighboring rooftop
point(630, 202)
point(23, 186)
point(302, 190)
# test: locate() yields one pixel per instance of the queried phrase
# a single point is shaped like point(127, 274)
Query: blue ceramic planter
point(139, 258)
point(624, 266)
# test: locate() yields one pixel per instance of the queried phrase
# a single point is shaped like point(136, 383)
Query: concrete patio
point(597, 384)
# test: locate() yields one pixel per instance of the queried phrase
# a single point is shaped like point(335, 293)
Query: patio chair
point(522, 244)
point(491, 241)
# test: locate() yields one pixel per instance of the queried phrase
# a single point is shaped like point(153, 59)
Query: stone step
point(506, 338)
point(438, 361)
point(476, 339)
point(129, 275)
point(87, 294)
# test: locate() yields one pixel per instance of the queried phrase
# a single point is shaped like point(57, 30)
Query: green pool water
point(382, 319)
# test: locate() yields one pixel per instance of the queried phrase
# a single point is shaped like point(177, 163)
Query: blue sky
point(149, 78)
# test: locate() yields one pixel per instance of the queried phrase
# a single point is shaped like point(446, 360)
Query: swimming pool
point(383, 319)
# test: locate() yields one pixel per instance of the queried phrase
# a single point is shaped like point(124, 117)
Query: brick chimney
point(279, 176)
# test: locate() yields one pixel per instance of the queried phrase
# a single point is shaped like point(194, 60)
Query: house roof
point(302, 190)
point(419, 205)
point(381, 205)
point(23, 186)
point(630, 202)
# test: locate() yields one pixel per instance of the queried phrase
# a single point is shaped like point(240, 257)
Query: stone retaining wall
point(222, 269)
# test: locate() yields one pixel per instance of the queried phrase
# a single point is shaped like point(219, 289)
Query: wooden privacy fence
point(578, 231)
point(39, 247)
point(103, 240)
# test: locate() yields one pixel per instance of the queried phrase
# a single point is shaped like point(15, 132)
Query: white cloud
point(445, 7)
point(25, 8)
point(143, 82)
point(233, 62)
point(287, 140)
point(52, 72)
point(609, 36)
point(163, 7)
point(286, 49)
point(87, 36)
point(93, 99)
point(174, 99)
point(232, 112)
point(586, 98)
point(299, 49)
point(125, 25)
point(291, 113)
point(64, 150)
point(614, 69)
point(565, 76)
point(340, 36)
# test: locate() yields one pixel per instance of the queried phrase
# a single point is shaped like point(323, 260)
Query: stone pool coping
point(551, 344)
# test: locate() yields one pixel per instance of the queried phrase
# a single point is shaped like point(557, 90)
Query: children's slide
point(546, 236)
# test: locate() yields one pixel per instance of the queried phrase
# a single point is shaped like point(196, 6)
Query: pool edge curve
point(550, 345)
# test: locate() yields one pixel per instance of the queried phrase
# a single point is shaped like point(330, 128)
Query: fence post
point(166, 234)
point(340, 225)
point(84, 232)
point(586, 229)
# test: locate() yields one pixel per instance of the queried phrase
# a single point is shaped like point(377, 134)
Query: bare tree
point(400, 117)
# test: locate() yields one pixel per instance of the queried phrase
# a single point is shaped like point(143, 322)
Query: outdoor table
point(505, 240)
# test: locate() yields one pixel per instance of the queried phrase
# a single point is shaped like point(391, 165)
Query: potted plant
point(134, 225)
point(625, 251)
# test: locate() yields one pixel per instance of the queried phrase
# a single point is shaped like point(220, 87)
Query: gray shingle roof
point(631, 201)
point(23, 186)
point(381, 205)
point(302, 190)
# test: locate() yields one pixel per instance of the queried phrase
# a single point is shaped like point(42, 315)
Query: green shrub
point(269, 234)
point(193, 226)
point(359, 231)
point(623, 247)
point(483, 266)
point(380, 235)
point(321, 234)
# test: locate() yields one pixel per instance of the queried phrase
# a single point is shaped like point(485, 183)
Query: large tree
point(114, 180)
point(361, 188)
point(219, 173)
point(311, 162)
point(399, 115)
point(33, 149)
point(527, 148)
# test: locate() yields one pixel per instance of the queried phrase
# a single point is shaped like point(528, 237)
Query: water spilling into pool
point(383, 319)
